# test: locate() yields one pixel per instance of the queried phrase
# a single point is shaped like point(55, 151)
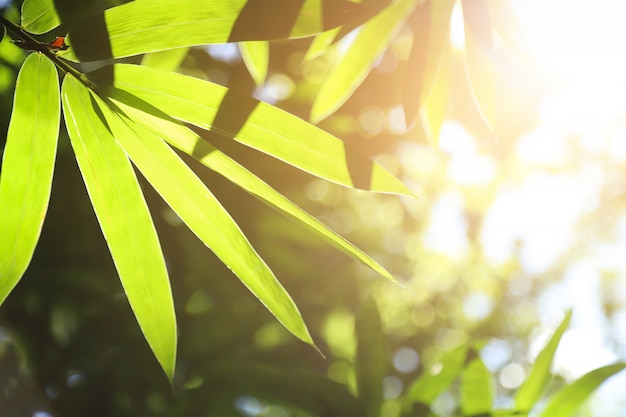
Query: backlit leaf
point(532, 388)
point(428, 60)
point(124, 219)
point(168, 60)
point(27, 167)
point(434, 108)
point(148, 26)
point(477, 391)
point(255, 124)
point(435, 380)
point(370, 42)
point(204, 215)
point(190, 143)
point(256, 56)
point(570, 398)
point(479, 57)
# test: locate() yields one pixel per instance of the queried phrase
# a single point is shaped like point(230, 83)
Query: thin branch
point(35, 45)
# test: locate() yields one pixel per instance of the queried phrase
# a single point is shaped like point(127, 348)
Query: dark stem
point(42, 48)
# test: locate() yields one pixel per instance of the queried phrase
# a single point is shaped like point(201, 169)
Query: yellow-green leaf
point(255, 124)
point(168, 60)
point(204, 215)
point(569, 399)
point(41, 16)
point(190, 143)
point(27, 167)
point(532, 388)
point(370, 42)
point(434, 107)
point(431, 43)
point(479, 57)
point(477, 391)
point(256, 56)
point(148, 26)
point(124, 219)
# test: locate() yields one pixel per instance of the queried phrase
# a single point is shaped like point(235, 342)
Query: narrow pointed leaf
point(205, 216)
point(431, 44)
point(255, 124)
point(256, 56)
point(148, 26)
point(27, 167)
point(320, 44)
point(436, 379)
point(531, 390)
point(41, 16)
point(190, 143)
point(477, 391)
point(124, 220)
point(435, 106)
point(371, 358)
point(479, 57)
point(169, 60)
point(569, 399)
point(371, 41)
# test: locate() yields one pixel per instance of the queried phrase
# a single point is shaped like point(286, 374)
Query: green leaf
point(255, 124)
point(256, 56)
point(371, 358)
point(169, 60)
point(204, 215)
point(431, 43)
point(434, 107)
point(569, 399)
point(320, 44)
point(41, 16)
point(436, 379)
point(148, 26)
point(124, 219)
point(371, 41)
point(479, 57)
point(190, 143)
point(477, 390)
point(27, 167)
point(532, 388)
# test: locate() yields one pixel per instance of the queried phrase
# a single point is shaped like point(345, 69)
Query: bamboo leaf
point(204, 215)
point(190, 143)
point(371, 358)
point(477, 390)
point(168, 60)
point(148, 26)
point(27, 167)
point(479, 57)
point(371, 41)
point(532, 388)
point(320, 44)
point(435, 380)
point(125, 221)
point(41, 16)
point(435, 106)
point(427, 68)
point(256, 56)
point(255, 124)
point(569, 399)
